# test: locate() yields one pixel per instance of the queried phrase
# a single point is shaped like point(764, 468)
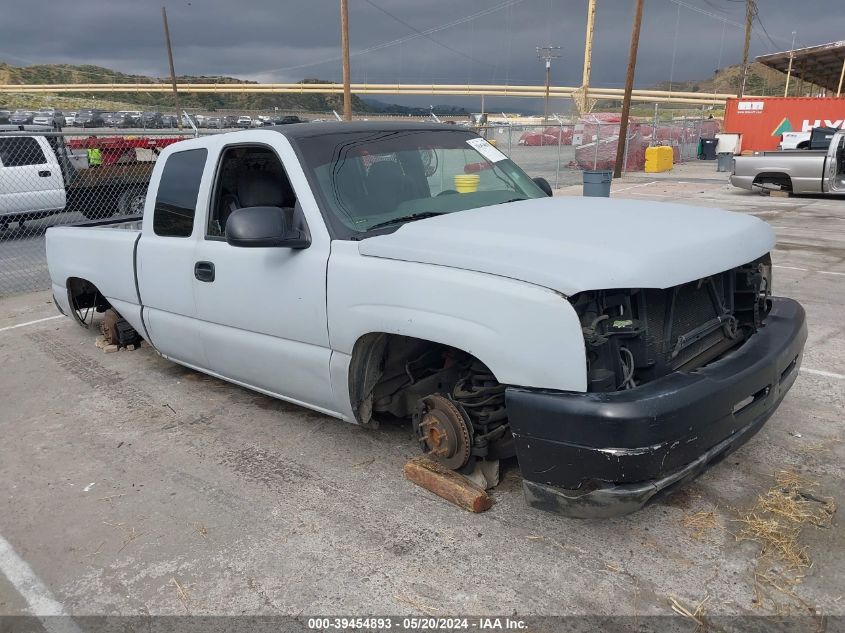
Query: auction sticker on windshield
point(484, 148)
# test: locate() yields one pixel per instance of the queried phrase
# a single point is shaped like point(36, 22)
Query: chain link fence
point(79, 176)
point(49, 179)
point(560, 153)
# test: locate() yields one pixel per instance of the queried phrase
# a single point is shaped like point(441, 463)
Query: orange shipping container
point(761, 121)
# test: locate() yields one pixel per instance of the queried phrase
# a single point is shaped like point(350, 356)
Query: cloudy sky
point(287, 40)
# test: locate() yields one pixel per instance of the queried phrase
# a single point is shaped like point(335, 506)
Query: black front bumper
point(592, 455)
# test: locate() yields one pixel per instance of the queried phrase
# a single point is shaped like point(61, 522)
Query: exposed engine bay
point(633, 336)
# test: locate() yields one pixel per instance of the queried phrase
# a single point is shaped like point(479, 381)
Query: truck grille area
point(633, 336)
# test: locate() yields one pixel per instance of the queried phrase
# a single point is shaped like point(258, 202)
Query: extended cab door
point(834, 176)
point(166, 252)
point(262, 311)
point(30, 177)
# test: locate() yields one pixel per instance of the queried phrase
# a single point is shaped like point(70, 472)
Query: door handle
point(204, 271)
point(44, 173)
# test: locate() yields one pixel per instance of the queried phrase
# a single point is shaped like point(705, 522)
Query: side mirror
point(257, 227)
point(544, 185)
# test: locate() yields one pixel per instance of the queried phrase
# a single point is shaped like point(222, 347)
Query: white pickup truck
point(616, 348)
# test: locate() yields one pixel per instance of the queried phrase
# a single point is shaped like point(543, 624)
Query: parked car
point(117, 119)
point(53, 118)
point(190, 121)
point(794, 140)
point(797, 171)
point(169, 121)
point(817, 138)
point(4, 116)
point(70, 118)
point(244, 121)
point(614, 363)
point(21, 117)
point(31, 182)
point(214, 122)
point(134, 117)
point(287, 120)
point(89, 118)
point(151, 120)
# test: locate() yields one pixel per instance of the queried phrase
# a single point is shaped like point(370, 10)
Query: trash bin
point(707, 148)
point(724, 159)
point(597, 183)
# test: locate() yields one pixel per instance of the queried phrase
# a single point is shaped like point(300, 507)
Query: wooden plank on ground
point(447, 484)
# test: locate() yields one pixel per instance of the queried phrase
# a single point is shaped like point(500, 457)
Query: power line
point(400, 40)
point(762, 26)
point(425, 35)
point(697, 9)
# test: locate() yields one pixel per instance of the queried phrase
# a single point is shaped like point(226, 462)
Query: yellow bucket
point(467, 183)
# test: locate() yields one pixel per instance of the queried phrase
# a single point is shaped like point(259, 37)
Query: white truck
point(615, 348)
point(38, 178)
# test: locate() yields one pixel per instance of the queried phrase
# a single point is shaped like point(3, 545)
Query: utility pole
point(344, 45)
point(750, 12)
point(588, 55)
point(547, 53)
point(789, 69)
point(629, 86)
point(172, 69)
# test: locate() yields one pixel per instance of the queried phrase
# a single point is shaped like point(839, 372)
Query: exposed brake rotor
point(442, 430)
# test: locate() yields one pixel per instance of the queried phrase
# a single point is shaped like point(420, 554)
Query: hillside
point(64, 73)
point(762, 81)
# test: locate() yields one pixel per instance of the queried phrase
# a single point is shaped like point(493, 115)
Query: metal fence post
point(625, 158)
point(596, 141)
point(559, 141)
point(654, 126)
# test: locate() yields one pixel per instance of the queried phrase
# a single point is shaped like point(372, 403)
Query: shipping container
point(762, 120)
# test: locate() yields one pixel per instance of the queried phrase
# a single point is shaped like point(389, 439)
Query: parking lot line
point(809, 270)
point(821, 372)
point(645, 184)
point(38, 598)
point(13, 327)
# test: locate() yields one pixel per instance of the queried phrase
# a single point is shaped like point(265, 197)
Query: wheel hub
point(442, 431)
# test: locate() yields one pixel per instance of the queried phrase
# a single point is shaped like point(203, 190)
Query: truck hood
point(576, 244)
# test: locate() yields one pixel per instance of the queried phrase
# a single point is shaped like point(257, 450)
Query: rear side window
point(176, 200)
point(19, 151)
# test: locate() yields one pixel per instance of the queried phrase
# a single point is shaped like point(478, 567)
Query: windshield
point(385, 177)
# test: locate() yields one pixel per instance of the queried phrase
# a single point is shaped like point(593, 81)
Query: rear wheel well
point(85, 300)
point(780, 179)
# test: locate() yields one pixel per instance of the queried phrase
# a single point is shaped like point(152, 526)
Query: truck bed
point(101, 252)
